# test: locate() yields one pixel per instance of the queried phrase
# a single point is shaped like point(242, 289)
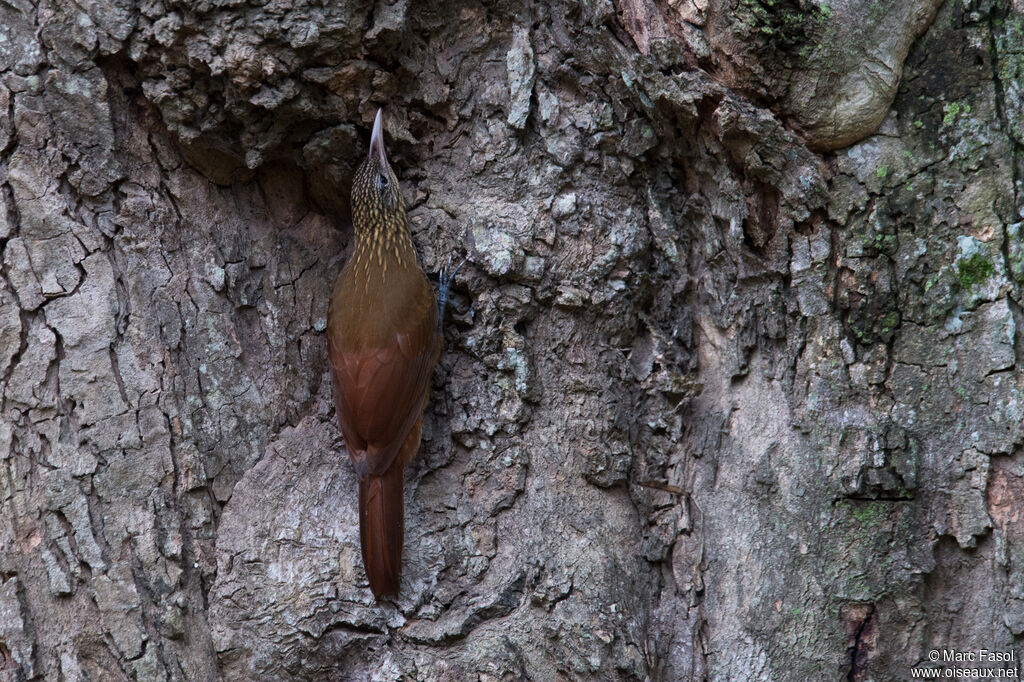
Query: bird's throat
point(382, 247)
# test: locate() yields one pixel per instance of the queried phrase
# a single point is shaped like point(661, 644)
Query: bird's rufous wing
point(380, 391)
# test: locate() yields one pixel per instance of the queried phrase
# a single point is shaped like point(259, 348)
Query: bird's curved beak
point(377, 141)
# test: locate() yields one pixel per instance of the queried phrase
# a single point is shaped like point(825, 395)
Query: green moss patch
point(974, 269)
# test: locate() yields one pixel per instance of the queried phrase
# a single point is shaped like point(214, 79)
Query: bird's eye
point(382, 180)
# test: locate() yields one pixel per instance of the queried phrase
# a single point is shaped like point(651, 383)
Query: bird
point(384, 341)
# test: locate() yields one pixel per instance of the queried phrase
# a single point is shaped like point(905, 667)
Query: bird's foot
point(445, 279)
point(360, 464)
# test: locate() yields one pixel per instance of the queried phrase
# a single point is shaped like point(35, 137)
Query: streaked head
point(375, 192)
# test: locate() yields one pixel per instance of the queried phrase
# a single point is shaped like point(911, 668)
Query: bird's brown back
point(382, 325)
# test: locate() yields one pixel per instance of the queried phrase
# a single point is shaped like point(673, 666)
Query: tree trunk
point(730, 388)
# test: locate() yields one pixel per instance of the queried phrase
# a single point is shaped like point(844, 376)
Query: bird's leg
point(445, 278)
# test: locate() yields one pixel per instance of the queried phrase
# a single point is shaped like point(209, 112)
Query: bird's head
point(375, 192)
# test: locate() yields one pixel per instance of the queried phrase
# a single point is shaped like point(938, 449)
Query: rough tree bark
point(731, 388)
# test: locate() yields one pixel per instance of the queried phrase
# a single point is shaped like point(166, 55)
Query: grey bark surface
point(731, 387)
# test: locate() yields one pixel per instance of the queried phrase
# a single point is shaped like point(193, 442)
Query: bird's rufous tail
point(381, 525)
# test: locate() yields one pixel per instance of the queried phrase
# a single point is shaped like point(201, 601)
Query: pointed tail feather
point(381, 527)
